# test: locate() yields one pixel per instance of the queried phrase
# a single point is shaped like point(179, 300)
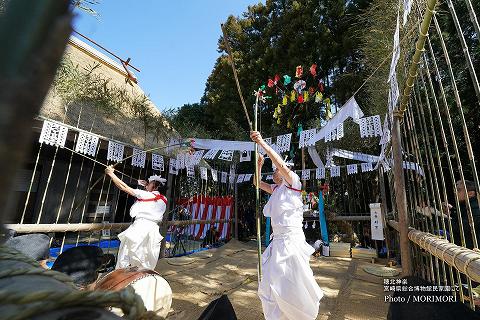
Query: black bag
point(219, 309)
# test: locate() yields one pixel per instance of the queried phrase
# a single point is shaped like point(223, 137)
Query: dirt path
point(196, 280)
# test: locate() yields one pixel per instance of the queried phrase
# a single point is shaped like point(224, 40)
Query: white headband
point(157, 178)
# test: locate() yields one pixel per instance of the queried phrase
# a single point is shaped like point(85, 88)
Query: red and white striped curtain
point(208, 208)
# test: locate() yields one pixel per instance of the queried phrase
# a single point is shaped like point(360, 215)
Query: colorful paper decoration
point(300, 99)
point(276, 79)
point(306, 174)
point(53, 134)
point(320, 86)
point(320, 173)
point(313, 70)
point(285, 100)
point(139, 157)
point(157, 162)
point(299, 72)
point(299, 86)
point(370, 126)
point(292, 96)
point(352, 169)
point(214, 175)
point(305, 96)
point(318, 97)
point(203, 173)
point(366, 166)
point(335, 171)
point(270, 83)
point(286, 80)
point(115, 151)
point(87, 144)
point(226, 155)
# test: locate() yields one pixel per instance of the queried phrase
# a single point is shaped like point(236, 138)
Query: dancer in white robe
point(140, 243)
point(288, 289)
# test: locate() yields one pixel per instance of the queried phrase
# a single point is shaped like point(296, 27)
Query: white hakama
point(288, 289)
point(140, 243)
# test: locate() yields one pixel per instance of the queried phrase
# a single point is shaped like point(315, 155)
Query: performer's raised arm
point(277, 161)
point(263, 185)
point(118, 182)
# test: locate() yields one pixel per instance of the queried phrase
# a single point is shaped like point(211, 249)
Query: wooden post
point(384, 208)
point(164, 227)
point(400, 196)
point(236, 210)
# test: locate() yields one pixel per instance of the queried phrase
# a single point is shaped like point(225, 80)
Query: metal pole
point(400, 196)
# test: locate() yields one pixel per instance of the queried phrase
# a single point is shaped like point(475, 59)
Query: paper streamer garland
point(53, 134)
point(86, 144)
point(335, 171)
point(352, 169)
point(158, 162)
point(366, 167)
point(320, 173)
point(214, 175)
point(306, 174)
point(226, 155)
point(245, 156)
point(115, 151)
point(204, 173)
point(210, 155)
point(138, 158)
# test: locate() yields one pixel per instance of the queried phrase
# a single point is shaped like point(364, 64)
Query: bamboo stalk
point(419, 47)
point(80, 227)
point(465, 260)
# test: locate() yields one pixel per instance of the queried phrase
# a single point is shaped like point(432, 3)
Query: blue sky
point(173, 43)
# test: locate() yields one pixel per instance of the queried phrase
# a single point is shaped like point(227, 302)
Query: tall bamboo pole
point(257, 196)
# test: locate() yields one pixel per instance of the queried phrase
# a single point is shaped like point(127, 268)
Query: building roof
point(122, 125)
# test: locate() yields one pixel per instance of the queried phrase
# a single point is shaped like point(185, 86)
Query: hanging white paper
point(226, 155)
point(181, 161)
point(53, 134)
point(139, 157)
point(352, 169)
point(190, 171)
point(197, 157)
point(210, 154)
point(306, 174)
point(172, 167)
point(157, 162)
point(209, 144)
point(312, 151)
point(115, 151)
point(329, 159)
point(320, 173)
point(407, 7)
point(240, 178)
point(224, 177)
point(173, 144)
point(204, 173)
point(354, 155)
point(214, 175)
point(366, 166)
point(349, 110)
point(87, 144)
point(245, 156)
point(370, 126)
point(335, 171)
point(247, 177)
point(305, 137)
point(283, 142)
